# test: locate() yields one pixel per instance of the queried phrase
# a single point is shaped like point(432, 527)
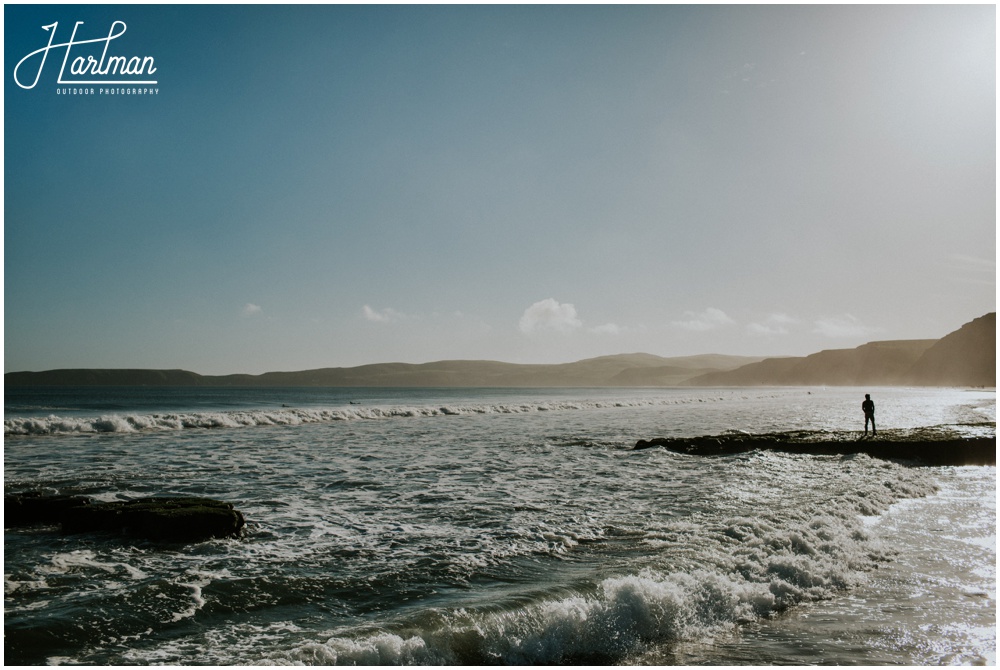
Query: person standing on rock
point(868, 407)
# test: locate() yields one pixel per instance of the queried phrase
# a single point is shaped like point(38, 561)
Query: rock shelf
point(936, 445)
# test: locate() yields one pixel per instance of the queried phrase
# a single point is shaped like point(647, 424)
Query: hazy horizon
point(333, 186)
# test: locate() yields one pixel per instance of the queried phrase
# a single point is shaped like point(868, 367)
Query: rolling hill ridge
point(965, 357)
point(616, 370)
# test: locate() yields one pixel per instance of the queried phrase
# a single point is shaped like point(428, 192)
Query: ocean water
point(500, 526)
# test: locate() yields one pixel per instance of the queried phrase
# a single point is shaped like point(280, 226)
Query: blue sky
point(323, 186)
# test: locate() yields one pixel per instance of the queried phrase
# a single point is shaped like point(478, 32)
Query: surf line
point(115, 66)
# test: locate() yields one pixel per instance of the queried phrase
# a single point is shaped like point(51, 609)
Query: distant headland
point(965, 357)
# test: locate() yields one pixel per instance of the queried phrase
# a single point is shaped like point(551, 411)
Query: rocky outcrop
point(927, 446)
point(35, 509)
point(174, 519)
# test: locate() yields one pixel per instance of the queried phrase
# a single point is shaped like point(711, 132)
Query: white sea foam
point(400, 534)
point(197, 598)
point(133, 423)
point(62, 563)
point(624, 616)
point(750, 568)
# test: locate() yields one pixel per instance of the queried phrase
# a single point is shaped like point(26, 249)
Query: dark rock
point(167, 519)
point(175, 519)
point(33, 508)
point(927, 446)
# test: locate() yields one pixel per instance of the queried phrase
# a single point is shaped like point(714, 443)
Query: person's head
point(867, 397)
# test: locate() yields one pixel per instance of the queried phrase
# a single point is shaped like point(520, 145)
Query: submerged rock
point(34, 508)
point(929, 446)
point(177, 519)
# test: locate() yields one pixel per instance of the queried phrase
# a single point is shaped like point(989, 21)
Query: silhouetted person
point(868, 407)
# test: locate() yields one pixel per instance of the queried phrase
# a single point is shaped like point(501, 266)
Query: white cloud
point(549, 315)
point(970, 269)
point(608, 329)
point(251, 309)
point(774, 324)
point(842, 326)
point(710, 319)
point(976, 264)
point(386, 315)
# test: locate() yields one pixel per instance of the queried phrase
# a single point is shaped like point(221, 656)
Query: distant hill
point(876, 363)
point(619, 370)
point(100, 377)
point(966, 357)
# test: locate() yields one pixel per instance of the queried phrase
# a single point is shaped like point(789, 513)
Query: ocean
point(500, 526)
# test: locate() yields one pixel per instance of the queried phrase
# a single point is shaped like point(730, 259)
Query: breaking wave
point(749, 568)
point(622, 617)
point(133, 423)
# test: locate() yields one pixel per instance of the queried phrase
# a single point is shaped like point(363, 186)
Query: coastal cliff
point(965, 357)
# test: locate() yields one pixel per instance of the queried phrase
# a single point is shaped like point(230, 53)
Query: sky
point(324, 186)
